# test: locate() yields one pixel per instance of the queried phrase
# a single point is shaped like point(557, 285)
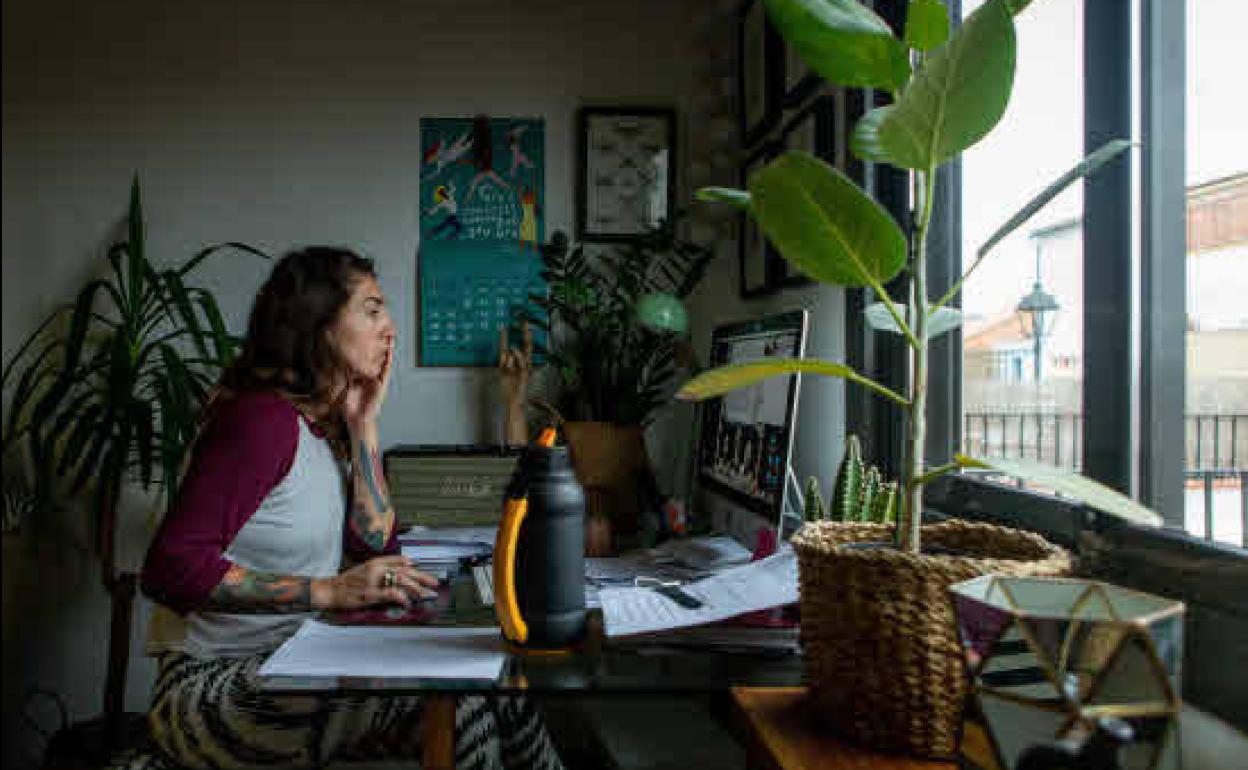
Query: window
point(1022, 344)
point(1216, 269)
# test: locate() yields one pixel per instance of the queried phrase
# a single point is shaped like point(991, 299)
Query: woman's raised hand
point(365, 395)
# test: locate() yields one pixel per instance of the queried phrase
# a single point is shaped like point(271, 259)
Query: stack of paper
point(321, 649)
point(760, 585)
point(441, 551)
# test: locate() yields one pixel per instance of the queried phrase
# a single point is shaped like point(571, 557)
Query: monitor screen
point(747, 435)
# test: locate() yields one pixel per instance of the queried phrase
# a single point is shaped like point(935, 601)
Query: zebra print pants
point(210, 713)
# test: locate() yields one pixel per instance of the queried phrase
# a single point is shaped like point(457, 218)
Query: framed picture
point(760, 75)
point(812, 130)
point(757, 258)
point(627, 178)
point(799, 80)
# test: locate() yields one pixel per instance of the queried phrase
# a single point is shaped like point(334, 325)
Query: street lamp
point(1036, 312)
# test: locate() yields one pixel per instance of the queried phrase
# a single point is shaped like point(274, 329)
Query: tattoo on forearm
point(371, 514)
point(244, 590)
point(372, 472)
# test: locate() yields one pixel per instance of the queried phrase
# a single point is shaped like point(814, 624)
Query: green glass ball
point(663, 312)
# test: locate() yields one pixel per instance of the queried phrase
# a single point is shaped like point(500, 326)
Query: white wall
point(276, 123)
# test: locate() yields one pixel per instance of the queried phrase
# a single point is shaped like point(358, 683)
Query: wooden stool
point(781, 734)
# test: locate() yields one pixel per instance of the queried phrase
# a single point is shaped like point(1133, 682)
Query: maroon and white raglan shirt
point(264, 491)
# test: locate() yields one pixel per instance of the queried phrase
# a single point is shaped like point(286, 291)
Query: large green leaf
point(954, 100)
point(927, 24)
point(824, 224)
point(1086, 167)
point(203, 254)
point(136, 249)
point(1081, 488)
point(717, 382)
point(842, 40)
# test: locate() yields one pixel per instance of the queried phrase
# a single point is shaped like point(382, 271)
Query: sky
point(1040, 137)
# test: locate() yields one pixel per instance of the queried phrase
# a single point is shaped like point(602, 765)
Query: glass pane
point(1022, 389)
point(1217, 271)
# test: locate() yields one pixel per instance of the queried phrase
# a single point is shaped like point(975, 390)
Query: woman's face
point(363, 333)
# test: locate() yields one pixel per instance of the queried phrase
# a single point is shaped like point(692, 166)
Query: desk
point(594, 667)
point(782, 733)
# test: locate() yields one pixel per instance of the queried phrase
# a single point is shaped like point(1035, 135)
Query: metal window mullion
point(1107, 284)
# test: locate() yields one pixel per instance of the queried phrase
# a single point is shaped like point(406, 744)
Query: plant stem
point(912, 511)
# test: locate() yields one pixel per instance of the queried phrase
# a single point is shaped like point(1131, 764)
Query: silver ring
point(388, 579)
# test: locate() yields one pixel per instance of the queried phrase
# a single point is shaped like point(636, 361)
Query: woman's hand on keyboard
point(383, 580)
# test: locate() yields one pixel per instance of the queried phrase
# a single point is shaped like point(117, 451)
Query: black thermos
point(550, 550)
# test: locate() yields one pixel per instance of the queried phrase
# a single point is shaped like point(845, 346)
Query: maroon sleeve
point(244, 451)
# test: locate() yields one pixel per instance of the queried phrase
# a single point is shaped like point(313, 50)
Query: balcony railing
point(1216, 468)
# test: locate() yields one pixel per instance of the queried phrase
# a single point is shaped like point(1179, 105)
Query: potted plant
point(107, 391)
point(882, 658)
point(613, 323)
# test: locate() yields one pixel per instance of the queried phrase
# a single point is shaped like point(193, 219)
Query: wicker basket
point(882, 657)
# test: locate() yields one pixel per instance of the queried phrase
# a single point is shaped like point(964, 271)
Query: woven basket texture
point(883, 662)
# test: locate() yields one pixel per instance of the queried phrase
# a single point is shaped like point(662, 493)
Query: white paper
point(758, 585)
point(321, 649)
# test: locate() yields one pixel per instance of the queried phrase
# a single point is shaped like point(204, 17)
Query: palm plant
point(108, 388)
point(948, 92)
point(610, 364)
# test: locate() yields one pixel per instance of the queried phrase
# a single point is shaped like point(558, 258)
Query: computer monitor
point(746, 436)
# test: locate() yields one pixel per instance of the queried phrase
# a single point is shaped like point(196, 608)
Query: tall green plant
point(108, 387)
point(610, 364)
point(948, 92)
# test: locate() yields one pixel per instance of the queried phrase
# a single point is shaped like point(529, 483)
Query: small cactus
point(860, 492)
point(848, 486)
point(815, 509)
point(884, 508)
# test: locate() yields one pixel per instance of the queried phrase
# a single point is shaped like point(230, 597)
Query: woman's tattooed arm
point(252, 591)
point(372, 517)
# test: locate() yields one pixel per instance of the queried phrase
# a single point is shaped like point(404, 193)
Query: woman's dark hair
point(287, 348)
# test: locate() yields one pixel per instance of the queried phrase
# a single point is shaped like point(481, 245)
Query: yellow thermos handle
point(506, 604)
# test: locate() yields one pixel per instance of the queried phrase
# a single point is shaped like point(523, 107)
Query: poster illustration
point(482, 219)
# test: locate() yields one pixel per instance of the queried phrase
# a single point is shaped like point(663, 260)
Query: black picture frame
point(595, 215)
point(813, 129)
point(760, 72)
point(757, 259)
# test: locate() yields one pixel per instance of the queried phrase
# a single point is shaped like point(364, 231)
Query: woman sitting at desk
point(255, 543)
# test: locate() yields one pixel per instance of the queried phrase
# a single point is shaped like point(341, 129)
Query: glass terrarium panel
point(1131, 605)
point(1016, 727)
point(1037, 596)
point(1016, 669)
point(1090, 648)
point(1093, 605)
point(1167, 635)
point(979, 625)
point(1132, 677)
point(975, 588)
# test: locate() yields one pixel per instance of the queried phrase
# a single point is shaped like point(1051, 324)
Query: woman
point(263, 522)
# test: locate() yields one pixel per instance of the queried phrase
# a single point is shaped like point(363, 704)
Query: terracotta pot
point(609, 460)
point(882, 657)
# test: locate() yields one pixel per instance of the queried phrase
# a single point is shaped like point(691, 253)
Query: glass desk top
point(596, 665)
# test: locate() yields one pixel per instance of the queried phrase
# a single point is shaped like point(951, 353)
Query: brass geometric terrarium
point(1048, 657)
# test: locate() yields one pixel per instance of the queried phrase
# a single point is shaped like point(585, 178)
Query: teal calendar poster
point(482, 219)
